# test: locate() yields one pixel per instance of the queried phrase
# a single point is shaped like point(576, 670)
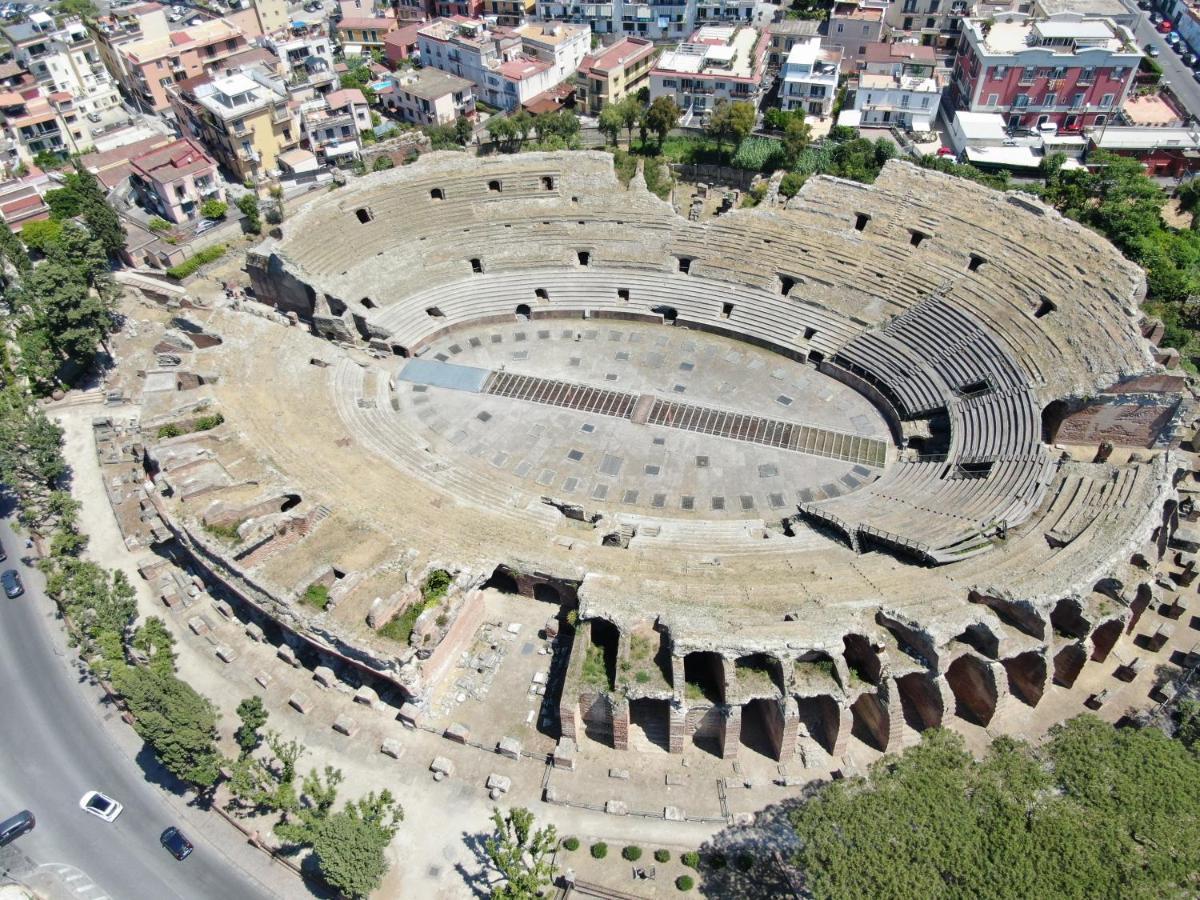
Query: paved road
point(55, 747)
point(1175, 72)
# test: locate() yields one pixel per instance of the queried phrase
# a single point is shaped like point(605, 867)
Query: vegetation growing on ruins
point(435, 586)
point(203, 423)
point(228, 532)
point(522, 856)
point(317, 595)
point(594, 672)
point(192, 264)
point(1096, 811)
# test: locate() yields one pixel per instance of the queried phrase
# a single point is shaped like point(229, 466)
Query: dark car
point(177, 845)
point(3, 555)
point(15, 826)
point(12, 583)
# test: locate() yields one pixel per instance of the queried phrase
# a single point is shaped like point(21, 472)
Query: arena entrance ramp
point(444, 375)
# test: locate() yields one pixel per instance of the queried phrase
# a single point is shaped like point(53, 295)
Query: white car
point(100, 805)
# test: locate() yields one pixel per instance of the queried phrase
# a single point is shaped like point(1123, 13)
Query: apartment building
point(1064, 70)
point(66, 60)
point(612, 73)
point(658, 20)
point(810, 78)
point(853, 25)
point(899, 85)
point(123, 25)
point(245, 120)
point(933, 23)
point(174, 181)
point(37, 122)
point(718, 62)
point(785, 34)
point(333, 125)
point(305, 56)
point(359, 35)
point(153, 64)
point(429, 97)
point(508, 66)
point(510, 12)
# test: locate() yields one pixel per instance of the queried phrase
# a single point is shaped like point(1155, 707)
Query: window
point(999, 72)
point(1028, 74)
point(584, 257)
point(1106, 101)
point(840, 28)
point(860, 221)
point(541, 294)
point(993, 99)
point(477, 265)
point(907, 26)
point(930, 23)
point(1077, 100)
point(726, 310)
point(915, 237)
point(1022, 101)
point(685, 264)
point(547, 183)
point(1088, 75)
point(494, 186)
point(1045, 307)
point(1050, 100)
point(975, 262)
point(363, 214)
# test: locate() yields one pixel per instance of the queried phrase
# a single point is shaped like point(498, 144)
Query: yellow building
point(509, 12)
point(613, 73)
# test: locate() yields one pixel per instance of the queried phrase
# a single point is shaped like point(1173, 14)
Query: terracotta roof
point(169, 163)
point(366, 22)
point(879, 52)
point(337, 99)
point(624, 51)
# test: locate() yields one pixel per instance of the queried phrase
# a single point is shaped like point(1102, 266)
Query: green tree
point(38, 235)
point(65, 203)
point(253, 716)
point(349, 844)
point(522, 856)
point(154, 640)
point(175, 720)
point(214, 209)
point(522, 124)
point(85, 9)
point(1189, 201)
point(661, 117)
point(382, 164)
point(101, 219)
point(31, 462)
point(14, 262)
point(500, 130)
point(248, 204)
point(464, 130)
point(611, 121)
point(797, 135)
point(631, 109)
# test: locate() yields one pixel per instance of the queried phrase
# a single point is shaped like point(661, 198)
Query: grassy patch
point(224, 532)
point(625, 166)
point(658, 178)
point(190, 265)
point(316, 595)
point(595, 672)
point(435, 585)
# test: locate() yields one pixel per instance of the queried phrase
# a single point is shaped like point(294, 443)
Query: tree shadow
point(154, 772)
point(477, 882)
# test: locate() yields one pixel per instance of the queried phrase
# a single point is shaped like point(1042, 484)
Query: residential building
point(333, 125)
point(174, 181)
point(907, 101)
point(612, 73)
point(22, 200)
point(900, 58)
point(41, 123)
point(359, 35)
point(718, 62)
point(305, 56)
point(112, 167)
point(786, 34)
point(1119, 12)
point(853, 26)
point(1065, 70)
point(126, 25)
point(258, 17)
point(933, 23)
point(153, 64)
point(244, 119)
point(402, 45)
point(1165, 152)
point(662, 20)
point(509, 12)
point(507, 66)
point(468, 9)
point(429, 97)
point(809, 80)
point(66, 60)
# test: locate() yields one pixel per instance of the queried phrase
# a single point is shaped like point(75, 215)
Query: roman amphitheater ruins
point(845, 468)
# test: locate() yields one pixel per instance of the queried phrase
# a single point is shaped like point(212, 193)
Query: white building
point(663, 20)
point(907, 101)
point(508, 66)
point(718, 62)
point(306, 55)
point(810, 78)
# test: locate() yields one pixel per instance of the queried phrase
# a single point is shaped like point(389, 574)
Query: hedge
point(192, 263)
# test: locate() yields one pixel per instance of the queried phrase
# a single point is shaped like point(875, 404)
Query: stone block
point(391, 747)
point(674, 779)
point(263, 679)
point(172, 600)
point(300, 703)
point(621, 774)
point(366, 695)
point(288, 655)
point(672, 813)
point(510, 747)
point(324, 676)
point(410, 715)
point(564, 755)
point(226, 654)
point(223, 608)
point(616, 807)
point(441, 766)
point(198, 626)
point(343, 724)
point(255, 632)
point(457, 732)
point(501, 783)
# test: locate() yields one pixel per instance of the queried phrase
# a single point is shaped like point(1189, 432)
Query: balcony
point(248, 155)
point(280, 115)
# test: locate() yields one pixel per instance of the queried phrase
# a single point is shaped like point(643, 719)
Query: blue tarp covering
point(445, 375)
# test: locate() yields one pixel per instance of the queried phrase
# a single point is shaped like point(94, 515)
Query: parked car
point(3, 555)
point(11, 582)
point(1155, 18)
point(1164, 26)
point(177, 845)
point(100, 805)
point(1189, 59)
point(1151, 50)
point(1196, 75)
point(945, 151)
point(15, 826)
point(1143, 4)
point(207, 225)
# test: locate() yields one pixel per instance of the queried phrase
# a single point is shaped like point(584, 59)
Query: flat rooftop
point(706, 53)
point(1016, 33)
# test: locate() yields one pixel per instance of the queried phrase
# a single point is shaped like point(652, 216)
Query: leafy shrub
point(691, 859)
point(632, 853)
point(169, 431)
point(382, 163)
point(436, 584)
point(157, 224)
point(599, 850)
point(758, 154)
point(791, 183)
point(662, 856)
point(214, 209)
point(208, 423)
point(571, 843)
point(316, 595)
point(225, 532)
point(685, 882)
point(190, 265)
